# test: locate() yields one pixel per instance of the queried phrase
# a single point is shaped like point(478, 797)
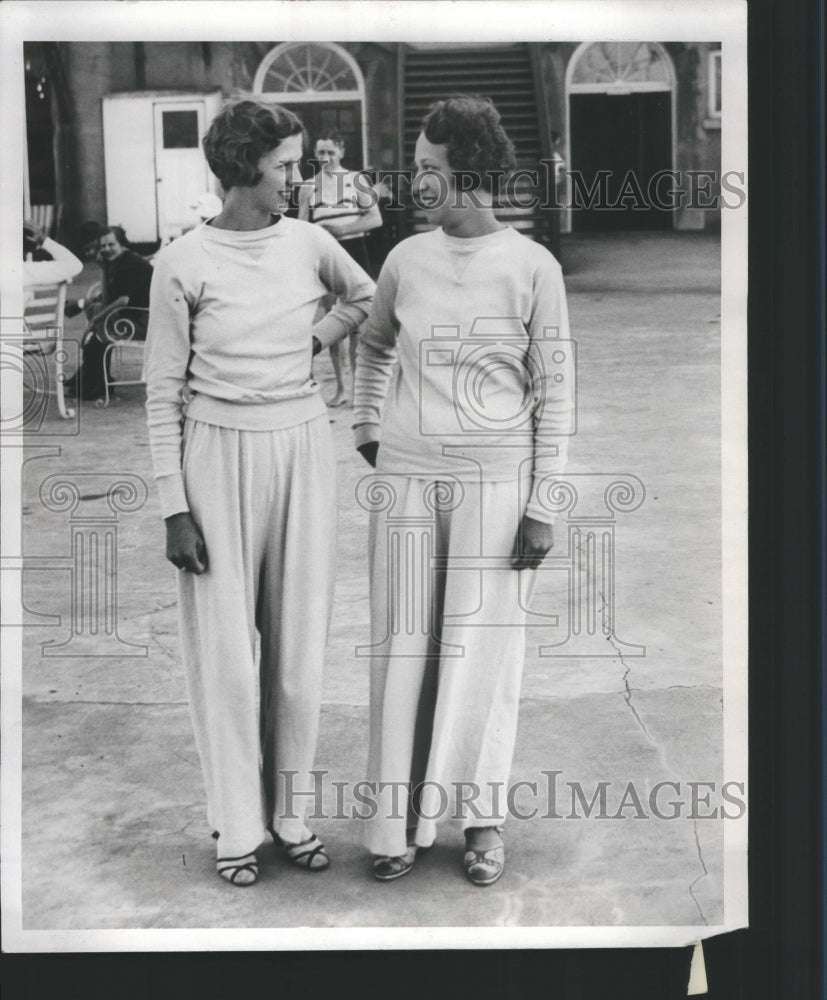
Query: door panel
point(129, 161)
point(621, 133)
point(181, 172)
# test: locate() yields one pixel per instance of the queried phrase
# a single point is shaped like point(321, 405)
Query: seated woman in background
point(347, 210)
point(125, 281)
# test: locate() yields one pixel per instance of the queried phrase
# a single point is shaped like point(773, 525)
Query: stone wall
point(94, 69)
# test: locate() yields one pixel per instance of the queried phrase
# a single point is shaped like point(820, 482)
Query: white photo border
point(357, 20)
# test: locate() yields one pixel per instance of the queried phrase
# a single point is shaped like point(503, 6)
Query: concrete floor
point(114, 832)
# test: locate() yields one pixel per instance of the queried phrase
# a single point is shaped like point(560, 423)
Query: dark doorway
point(346, 117)
point(40, 141)
point(630, 136)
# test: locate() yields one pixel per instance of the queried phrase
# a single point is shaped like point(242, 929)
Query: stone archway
point(323, 84)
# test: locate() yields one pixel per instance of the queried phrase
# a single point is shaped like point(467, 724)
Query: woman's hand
point(369, 452)
point(185, 543)
point(534, 539)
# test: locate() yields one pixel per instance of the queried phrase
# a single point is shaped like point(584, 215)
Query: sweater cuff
point(172, 494)
point(540, 513)
point(365, 433)
point(329, 330)
point(536, 508)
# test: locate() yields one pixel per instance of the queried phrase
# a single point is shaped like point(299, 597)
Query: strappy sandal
point(387, 868)
point(309, 855)
point(485, 867)
point(241, 871)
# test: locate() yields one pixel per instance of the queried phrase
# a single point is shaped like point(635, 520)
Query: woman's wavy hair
point(240, 134)
point(469, 125)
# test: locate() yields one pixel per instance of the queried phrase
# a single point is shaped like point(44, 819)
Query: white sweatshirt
point(63, 266)
point(230, 333)
point(485, 382)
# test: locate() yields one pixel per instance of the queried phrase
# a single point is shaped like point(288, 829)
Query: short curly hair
point(331, 135)
point(469, 125)
point(240, 134)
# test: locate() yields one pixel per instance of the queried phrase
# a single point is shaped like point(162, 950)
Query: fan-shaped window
point(323, 84)
point(309, 71)
point(613, 66)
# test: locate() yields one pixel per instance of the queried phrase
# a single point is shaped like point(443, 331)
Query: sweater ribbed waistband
point(269, 416)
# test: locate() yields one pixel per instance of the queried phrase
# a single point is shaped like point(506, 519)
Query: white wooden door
point(181, 172)
point(130, 166)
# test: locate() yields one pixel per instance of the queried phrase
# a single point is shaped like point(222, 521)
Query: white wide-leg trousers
point(266, 504)
point(448, 638)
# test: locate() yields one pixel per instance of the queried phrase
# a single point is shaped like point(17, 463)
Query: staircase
point(506, 76)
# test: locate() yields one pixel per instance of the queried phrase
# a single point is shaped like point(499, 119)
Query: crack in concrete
point(167, 652)
point(689, 687)
point(186, 760)
point(701, 876)
point(627, 693)
point(149, 614)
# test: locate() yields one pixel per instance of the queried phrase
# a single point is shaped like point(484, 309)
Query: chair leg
point(105, 361)
point(67, 412)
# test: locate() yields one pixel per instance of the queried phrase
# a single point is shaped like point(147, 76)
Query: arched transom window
point(309, 71)
point(606, 67)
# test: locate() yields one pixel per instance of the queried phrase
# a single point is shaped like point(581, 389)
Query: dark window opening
point(180, 129)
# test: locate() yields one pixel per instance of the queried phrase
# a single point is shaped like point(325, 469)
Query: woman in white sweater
point(466, 442)
point(244, 462)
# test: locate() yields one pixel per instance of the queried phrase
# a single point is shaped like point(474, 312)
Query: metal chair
point(121, 328)
point(43, 324)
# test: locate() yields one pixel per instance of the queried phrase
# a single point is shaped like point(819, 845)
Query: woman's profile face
point(329, 154)
point(279, 174)
point(433, 185)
